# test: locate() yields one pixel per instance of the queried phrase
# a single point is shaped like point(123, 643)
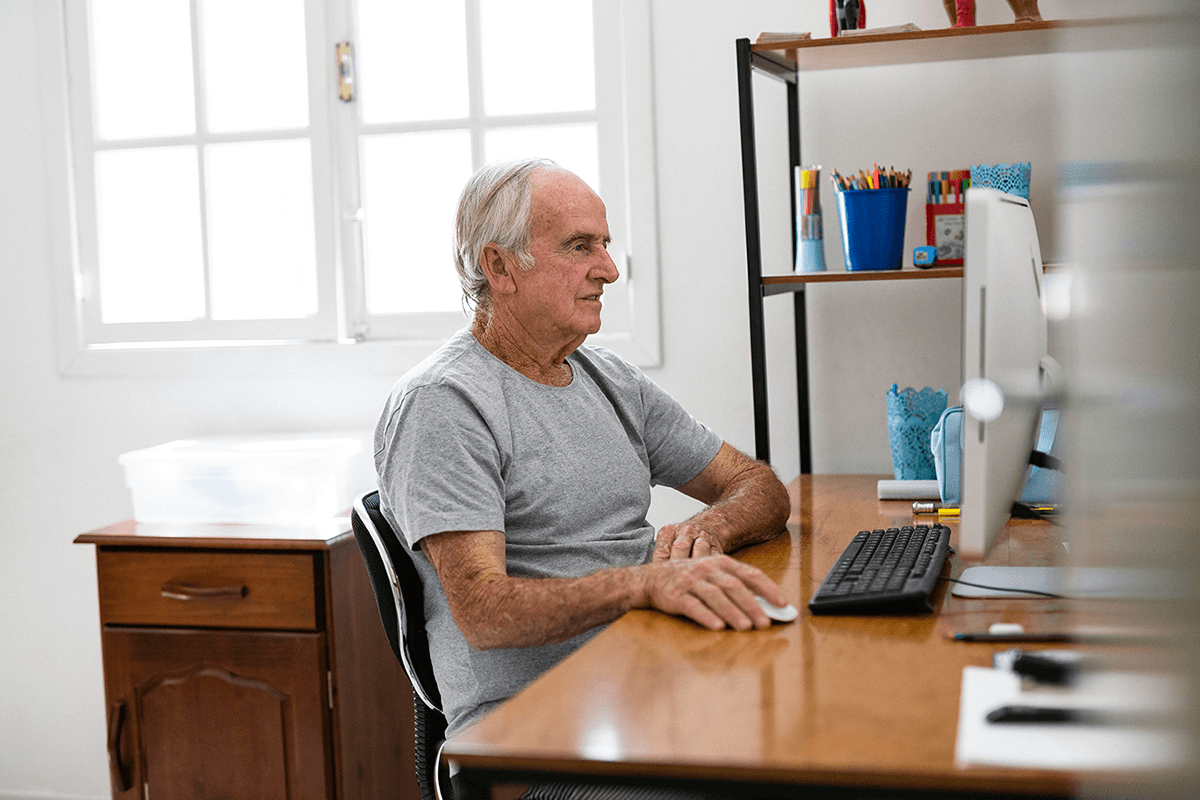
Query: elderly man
point(517, 462)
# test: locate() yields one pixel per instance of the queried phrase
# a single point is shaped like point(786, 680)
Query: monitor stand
point(1075, 583)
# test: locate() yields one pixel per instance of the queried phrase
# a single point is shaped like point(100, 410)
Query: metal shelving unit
point(785, 61)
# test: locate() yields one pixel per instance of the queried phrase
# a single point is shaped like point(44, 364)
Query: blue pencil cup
point(873, 227)
point(911, 416)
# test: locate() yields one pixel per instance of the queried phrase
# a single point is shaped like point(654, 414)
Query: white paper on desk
point(1059, 746)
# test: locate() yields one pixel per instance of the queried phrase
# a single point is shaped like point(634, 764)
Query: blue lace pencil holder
point(911, 416)
point(1008, 178)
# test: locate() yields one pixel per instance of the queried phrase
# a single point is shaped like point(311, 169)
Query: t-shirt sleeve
point(678, 445)
point(441, 466)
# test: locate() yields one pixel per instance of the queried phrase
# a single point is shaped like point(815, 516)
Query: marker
point(921, 507)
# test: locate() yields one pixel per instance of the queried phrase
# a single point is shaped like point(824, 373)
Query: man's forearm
point(753, 508)
point(502, 611)
point(716, 592)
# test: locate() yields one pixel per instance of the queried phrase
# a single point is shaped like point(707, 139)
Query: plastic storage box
point(284, 479)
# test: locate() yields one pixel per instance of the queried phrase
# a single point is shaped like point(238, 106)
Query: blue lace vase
point(911, 416)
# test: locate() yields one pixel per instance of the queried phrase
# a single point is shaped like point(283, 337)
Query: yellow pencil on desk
point(947, 512)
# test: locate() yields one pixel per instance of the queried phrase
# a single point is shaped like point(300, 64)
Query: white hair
point(495, 208)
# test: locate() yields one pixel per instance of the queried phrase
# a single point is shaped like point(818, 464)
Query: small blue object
point(924, 256)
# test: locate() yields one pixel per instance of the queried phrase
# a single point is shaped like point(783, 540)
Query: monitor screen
point(1005, 363)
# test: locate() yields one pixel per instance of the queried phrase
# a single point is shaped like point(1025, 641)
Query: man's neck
point(514, 345)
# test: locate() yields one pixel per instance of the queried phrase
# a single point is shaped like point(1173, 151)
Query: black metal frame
point(747, 63)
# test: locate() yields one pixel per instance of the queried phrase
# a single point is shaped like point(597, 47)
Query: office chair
point(401, 602)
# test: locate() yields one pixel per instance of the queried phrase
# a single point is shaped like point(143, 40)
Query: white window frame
point(624, 90)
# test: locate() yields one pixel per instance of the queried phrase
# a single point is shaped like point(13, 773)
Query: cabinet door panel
point(219, 714)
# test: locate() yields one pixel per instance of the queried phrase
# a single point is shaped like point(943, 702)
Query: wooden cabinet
point(248, 662)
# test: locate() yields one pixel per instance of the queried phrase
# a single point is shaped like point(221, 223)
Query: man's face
point(559, 297)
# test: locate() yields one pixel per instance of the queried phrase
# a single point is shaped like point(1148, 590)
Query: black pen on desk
point(1049, 636)
point(1034, 714)
point(1064, 637)
point(1070, 715)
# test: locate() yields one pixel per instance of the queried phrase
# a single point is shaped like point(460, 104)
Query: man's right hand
point(716, 592)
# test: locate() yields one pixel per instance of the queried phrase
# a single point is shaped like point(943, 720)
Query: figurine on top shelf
point(962, 12)
point(846, 15)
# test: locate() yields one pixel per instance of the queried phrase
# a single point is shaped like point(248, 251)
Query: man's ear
point(498, 265)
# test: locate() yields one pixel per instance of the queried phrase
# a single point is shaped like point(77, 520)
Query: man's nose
point(607, 271)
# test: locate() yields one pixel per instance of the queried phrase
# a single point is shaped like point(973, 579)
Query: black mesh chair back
point(401, 602)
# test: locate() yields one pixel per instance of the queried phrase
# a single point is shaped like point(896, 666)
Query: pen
point(1034, 714)
point(1069, 716)
point(1016, 637)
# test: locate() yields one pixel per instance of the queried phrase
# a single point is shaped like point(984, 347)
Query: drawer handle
point(186, 591)
point(118, 772)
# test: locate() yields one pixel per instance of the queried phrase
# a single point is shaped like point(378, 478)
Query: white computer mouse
point(779, 614)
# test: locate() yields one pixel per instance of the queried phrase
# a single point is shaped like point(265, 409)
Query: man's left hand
point(685, 540)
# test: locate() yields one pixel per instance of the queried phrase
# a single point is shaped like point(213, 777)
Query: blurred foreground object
point(1128, 305)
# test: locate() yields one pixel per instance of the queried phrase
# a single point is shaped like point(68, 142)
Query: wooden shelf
point(940, 44)
point(778, 284)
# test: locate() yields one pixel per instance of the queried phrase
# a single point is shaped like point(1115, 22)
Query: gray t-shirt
point(468, 443)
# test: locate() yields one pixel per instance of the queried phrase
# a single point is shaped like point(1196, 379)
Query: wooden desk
point(855, 703)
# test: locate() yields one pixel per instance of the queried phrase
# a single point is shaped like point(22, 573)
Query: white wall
point(61, 436)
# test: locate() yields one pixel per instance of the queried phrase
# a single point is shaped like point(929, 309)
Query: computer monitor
point(1009, 378)
point(1007, 372)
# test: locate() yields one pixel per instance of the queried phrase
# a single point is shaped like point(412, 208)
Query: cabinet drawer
point(208, 588)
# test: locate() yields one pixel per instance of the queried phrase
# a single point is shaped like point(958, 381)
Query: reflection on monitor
point(1006, 369)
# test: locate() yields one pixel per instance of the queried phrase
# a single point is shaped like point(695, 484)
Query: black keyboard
point(892, 570)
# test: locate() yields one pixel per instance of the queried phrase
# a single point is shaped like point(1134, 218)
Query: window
point(254, 172)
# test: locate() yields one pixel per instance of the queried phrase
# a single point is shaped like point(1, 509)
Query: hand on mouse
point(717, 591)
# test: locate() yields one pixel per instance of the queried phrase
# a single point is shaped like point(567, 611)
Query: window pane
point(142, 68)
point(520, 38)
point(256, 76)
point(261, 237)
point(148, 232)
point(410, 188)
point(412, 60)
point(573, 146)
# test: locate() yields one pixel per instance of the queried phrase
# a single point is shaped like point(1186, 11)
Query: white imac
point(1007, 376)
point(1006, 370)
